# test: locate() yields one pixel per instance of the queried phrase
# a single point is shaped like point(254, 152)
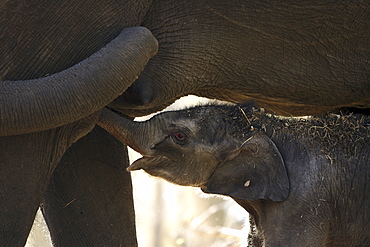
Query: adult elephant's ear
point(253, 171)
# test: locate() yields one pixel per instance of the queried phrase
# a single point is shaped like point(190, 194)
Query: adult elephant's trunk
point(52, 101)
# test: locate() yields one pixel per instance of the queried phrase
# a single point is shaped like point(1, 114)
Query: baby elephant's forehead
point(206, 127)
point(187, 122)
point(195, 121)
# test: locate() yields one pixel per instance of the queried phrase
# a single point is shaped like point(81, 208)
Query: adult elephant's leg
point(89, 199)
point(26, 166)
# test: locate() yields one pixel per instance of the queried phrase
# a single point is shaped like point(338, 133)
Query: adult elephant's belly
point(283, 106)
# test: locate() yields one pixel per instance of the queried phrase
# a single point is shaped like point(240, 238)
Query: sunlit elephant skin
point(292, 57)
point(41, 38)
point(61, 98)
point(305, 181)
point(92, 194)
point(59, 67)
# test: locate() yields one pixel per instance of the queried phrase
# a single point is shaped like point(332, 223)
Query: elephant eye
point(179, 136)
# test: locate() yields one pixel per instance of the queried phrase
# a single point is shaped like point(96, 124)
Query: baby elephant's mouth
point(147, 162)
point(175, 171)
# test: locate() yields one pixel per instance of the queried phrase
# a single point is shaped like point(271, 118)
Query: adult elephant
point(54, 80)
point(294, 57)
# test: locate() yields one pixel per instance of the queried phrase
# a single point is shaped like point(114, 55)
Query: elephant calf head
point(199, 147)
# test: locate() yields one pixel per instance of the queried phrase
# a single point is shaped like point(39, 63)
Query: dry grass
point(346, 133)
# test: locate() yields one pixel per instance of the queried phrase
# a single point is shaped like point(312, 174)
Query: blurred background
point(169, 215)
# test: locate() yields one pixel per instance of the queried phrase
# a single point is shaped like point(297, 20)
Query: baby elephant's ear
point(253, 171)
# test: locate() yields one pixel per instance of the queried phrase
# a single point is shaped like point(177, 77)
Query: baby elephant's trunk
point(124, 129)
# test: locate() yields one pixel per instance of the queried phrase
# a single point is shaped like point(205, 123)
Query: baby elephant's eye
point(179, 136)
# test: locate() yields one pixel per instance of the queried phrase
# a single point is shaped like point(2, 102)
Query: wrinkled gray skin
point(293, 57)
point(40, 119)
point(55, 77)
point(305, 182)
point(61, 62)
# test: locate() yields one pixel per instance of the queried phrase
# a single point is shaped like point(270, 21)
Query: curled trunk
point(61, 98)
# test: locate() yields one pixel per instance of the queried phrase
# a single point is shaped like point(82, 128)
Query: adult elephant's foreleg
point(89, 200)
point(26, 165)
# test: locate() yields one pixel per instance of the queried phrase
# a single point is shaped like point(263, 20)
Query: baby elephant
point(306, 182)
